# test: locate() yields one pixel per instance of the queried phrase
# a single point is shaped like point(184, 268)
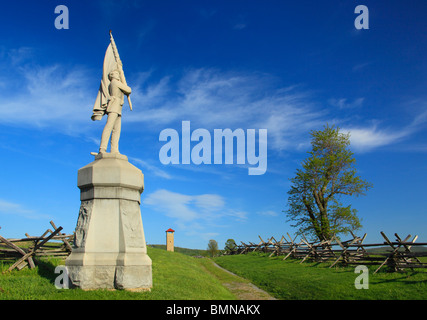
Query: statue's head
point(114, 75)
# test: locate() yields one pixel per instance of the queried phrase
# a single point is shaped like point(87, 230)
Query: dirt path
point(244, 290)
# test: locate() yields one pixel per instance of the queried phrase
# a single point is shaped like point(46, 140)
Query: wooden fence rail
point(52, 243)
point(397, 255)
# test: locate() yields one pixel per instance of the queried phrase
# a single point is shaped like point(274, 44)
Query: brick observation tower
point(169, 239)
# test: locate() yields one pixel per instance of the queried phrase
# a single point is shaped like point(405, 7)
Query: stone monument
point(109, 249)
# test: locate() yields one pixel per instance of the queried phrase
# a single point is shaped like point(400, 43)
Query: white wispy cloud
point(240, 22)
point(361, 66)
point(172, 204)
point(154, 169)
point(364, 139)
point(62, 97)
point(11, 208)
point(270, 213)
point(213, 99)
point(210, 99)
point(48, 96)
point(239, 26)
point(192, 211)
point(18, 55)
point(344, 103)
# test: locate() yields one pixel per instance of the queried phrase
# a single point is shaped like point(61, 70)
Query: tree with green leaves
point(230, 245)
point(326, 175)
point(212, 248)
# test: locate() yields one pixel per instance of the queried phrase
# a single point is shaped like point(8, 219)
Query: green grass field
point(175, 276)
point(291, 280)
point(186, 251)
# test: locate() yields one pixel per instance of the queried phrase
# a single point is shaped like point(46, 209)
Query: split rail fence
point(398, 255)
point(52, 243)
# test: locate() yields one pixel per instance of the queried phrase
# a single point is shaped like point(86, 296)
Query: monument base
point(137, 278)
point(109, 249)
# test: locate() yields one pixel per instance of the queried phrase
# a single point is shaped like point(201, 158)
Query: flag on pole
point(119, 63)
point(111, 62)
point(103, 96)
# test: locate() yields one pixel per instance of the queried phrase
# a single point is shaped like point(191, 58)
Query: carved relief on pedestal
point(132, 224)
point(83, 223)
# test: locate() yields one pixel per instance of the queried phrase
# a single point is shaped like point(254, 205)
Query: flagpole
point(120, 64)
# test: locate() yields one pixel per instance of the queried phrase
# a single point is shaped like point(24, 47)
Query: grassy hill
point(186, 251)
point(175, 277)
point(178, 276)
point(290, 279)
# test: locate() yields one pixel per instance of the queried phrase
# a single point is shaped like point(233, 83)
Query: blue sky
point(285, 66)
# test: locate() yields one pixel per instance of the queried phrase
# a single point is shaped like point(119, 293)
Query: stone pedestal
point(110, 250)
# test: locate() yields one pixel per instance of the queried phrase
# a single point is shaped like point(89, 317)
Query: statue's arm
point(124, 87)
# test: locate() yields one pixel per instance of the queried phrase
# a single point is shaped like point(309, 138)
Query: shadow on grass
point(405, 279)
point(46, 269)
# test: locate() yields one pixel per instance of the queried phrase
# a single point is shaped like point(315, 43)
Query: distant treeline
point(388, 249)
point(186, 251)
